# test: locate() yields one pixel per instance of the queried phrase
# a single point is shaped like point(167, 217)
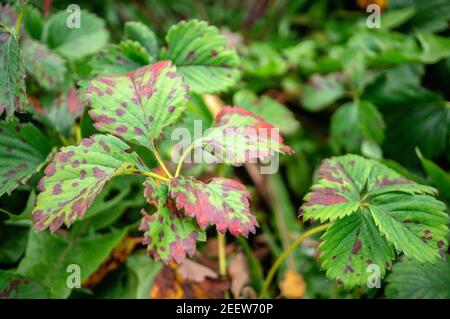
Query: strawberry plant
point(224, 150)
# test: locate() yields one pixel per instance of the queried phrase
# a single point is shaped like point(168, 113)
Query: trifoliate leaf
point(374, 210)
point(410, 280)
point(137, 106)
point(47, 67)
point(15, 286)
point(23, 150)
point(170, 236)
point(119, 58)
point(353, 123)
point(238, 136)
point(221, 202)
point(63, 34)
point(322, 91)
point(76, 176)
point(199, 51)
point(13, 97)
point(139, 32)
point(276, 113)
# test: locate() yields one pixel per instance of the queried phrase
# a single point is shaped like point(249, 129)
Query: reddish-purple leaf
point(222, 202)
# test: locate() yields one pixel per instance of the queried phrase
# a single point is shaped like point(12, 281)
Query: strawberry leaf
point(413, 280)
point(238, 136)
point(23, 150)
point(222, 202)
point(374, 210)
point(137, 106)
point(47, 67)
point(119, 58)
point(13, 97)
point(170, 236)
point(76, 176)
point(199, 51)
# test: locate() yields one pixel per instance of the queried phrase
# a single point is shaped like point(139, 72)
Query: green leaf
point(437, 175)
point(119, 58)
point(355, 122)
point(169, 235)
point(15, 286)
point(238, 136)
point(76, 176)
point(48, 256)
point(139, 32)
point(33, 22)
point(75, 43)
point(221, 202)
point(23, 150)
point(263, 61)
point(13, 240)
point(199, 51)
point(276, 113)
point(137, 106)
point(412, 280)
point(374, 210)
point(431, 15)
point(322, 91)
point(47, 67)
point(395, 18)
point(13, 97)
point(434, 48)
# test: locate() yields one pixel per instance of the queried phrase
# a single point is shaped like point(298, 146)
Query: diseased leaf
point(76, 176)
point(276, 113)
point(48, 257)
point(15, 286)
point(139, 32)
point(74, 42)
point(63, 111)
point(169, 235)
point(137, 106)
point(47, 67)
point(199, 51)
point(23, 150)
point(221, 202)
point(8, 16)
point(353, 123)
point(13, 97)
point(410, 280)
point(238, 136)
point(119, 58)
point(374, 210)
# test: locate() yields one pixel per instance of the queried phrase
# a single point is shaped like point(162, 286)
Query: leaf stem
point(286, 253)
point(159, 177)
point(160, 161)
point(221, 245)
point(19, 19)
point(182, 158)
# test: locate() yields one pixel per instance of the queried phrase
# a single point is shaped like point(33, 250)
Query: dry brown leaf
point(239, 273)
point(194, 271)
point(171, 284)
point(292, 285)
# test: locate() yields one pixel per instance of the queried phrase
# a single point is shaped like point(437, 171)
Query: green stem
point(286, 253)
point(160, 161)
point(221, 243)
point(19, 19)
point(161, 178)
point(182, 158)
